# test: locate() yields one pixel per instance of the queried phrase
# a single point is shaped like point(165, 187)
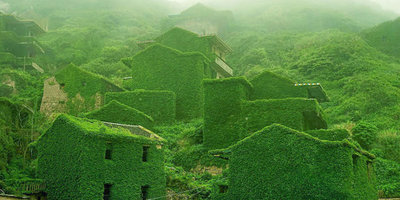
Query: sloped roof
point(160, 47)
point(32, 25)
point(211, 38)
point(94, 128)
point(225, 153)
point(117, 112)
point(72, 76)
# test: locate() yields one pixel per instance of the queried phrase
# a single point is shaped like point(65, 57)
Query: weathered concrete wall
point(54, 98)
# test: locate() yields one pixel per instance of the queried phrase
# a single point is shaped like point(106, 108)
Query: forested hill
point(385, 37)
point(351, 47)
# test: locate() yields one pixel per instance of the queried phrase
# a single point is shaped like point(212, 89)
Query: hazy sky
point(389, 4)
point(393, 5)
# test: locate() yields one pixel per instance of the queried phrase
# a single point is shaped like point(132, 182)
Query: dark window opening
point(108, 151)
point(145, 191)
point(107, 192)
point(369, 169)
point(355, 158)
point(145, 153)
point(223, 188)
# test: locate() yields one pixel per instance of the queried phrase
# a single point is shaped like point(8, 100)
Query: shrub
point(365, 134)
point(388, 176)
point(389, 143)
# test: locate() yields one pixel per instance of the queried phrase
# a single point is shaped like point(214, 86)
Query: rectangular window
point(107, 192)
point(223, 188)
point(355, 158)
point(369, 169)
point(145, 153)
point(108, 151)
point(145, 190)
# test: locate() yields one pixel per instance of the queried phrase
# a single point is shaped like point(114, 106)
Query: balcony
point(222, 68)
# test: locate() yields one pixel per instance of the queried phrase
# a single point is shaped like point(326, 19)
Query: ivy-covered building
point(201, 20)
point(85, 159)
point(18, 45)
point(159, 67)
point(178, 61)
point(235, 107)
point(73, 90)
point(282, 163)
point(211, 46)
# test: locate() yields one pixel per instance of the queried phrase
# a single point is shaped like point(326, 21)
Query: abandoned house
point(211, 46)
point(178, 61)
point(18, 45)
point(202, 20)
point(86, 159)
point(282, 163)
point(73, 90)
point(248, 107)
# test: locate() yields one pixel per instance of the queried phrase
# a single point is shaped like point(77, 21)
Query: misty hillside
point(385, 37)
point(349, 47)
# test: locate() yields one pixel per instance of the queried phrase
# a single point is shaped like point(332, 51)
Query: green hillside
point(385, 37)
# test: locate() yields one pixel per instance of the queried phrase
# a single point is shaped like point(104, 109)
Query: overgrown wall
point(222, 111)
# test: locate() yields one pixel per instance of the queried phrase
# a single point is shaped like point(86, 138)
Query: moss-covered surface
point(117, 112)
point(162, 68)
point(72, 161)
point(160, 105)
point(281, 163)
